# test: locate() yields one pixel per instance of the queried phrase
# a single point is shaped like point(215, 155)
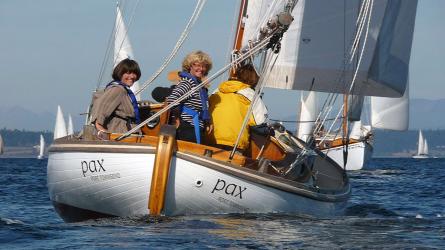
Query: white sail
point(307, 113)
point(390, 113)
point(70, 129)
point(41, 147)
point(421, 144)
point(2, 146)
point(425, 147)
point(356, 130)
point(313, 53)
point(60, 127)
point(122, 46)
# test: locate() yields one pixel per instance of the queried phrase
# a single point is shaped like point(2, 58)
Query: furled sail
point(60, 127)
point(390, 113)
point(307, 116)
point(122, 46)
point(315, 49)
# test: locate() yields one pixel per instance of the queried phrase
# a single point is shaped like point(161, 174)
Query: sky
point(52, 50)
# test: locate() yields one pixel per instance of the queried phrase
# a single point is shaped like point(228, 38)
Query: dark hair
point(126, 66)
point(247, 74)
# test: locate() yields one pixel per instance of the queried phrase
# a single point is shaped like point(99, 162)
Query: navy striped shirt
point(193, 101)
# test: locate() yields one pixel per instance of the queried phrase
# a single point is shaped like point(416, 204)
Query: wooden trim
point(338, 142)
point(161, 169)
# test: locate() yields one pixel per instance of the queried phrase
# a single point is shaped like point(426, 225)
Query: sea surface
point(396, 204)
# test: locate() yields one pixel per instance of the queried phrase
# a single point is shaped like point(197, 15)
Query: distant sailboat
point(41, 148)
point(70, 130)
point(1, 145)
point(422, 147)
point(60, 127)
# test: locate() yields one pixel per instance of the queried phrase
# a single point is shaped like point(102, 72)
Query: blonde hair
point(197, 57)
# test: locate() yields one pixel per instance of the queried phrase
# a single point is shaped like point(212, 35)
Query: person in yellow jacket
point(228, 107)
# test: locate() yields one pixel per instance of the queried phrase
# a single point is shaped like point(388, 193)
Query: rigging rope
point(367, 16)
point(178, 45)
point(126, 32)
point(111, 40)
point(244, 56)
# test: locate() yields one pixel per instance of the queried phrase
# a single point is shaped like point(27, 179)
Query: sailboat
point(59, 127)
point(70, 129)
point(372, 72)
point(359, 147)
point(41, 148)
point(422, 147)
point(359, 143)
point(2, 146)
point(152, 173)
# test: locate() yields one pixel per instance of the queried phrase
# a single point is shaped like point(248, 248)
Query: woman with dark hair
point(116, 110)
point(191, 114)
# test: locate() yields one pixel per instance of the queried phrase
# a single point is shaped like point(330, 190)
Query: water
point(396, 204)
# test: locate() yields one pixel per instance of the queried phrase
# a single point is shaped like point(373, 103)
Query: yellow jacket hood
point(232, 86)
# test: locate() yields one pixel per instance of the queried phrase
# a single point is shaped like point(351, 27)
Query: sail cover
point(316, 47)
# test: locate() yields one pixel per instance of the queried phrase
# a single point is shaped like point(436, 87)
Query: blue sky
point(52, 50)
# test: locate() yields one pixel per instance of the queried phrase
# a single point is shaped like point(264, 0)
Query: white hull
point(359, 155)
point(118, 184)
point(420, 156)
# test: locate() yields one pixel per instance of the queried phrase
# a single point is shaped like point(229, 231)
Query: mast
point(240, 25)
point(239, 30)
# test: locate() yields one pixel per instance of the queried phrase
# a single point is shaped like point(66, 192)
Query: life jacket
point(204, 115)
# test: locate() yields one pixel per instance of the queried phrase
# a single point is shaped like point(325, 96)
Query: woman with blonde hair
point(192, 114)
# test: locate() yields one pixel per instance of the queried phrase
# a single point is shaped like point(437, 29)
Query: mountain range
point(21, 118)
point(424, 114)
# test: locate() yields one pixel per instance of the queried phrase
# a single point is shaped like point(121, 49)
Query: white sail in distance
point(41, 147)
point(122, 46)
point(308, 115)
point(318, 42)
point(70, 129)
point(60, 127)
point(421, 144)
